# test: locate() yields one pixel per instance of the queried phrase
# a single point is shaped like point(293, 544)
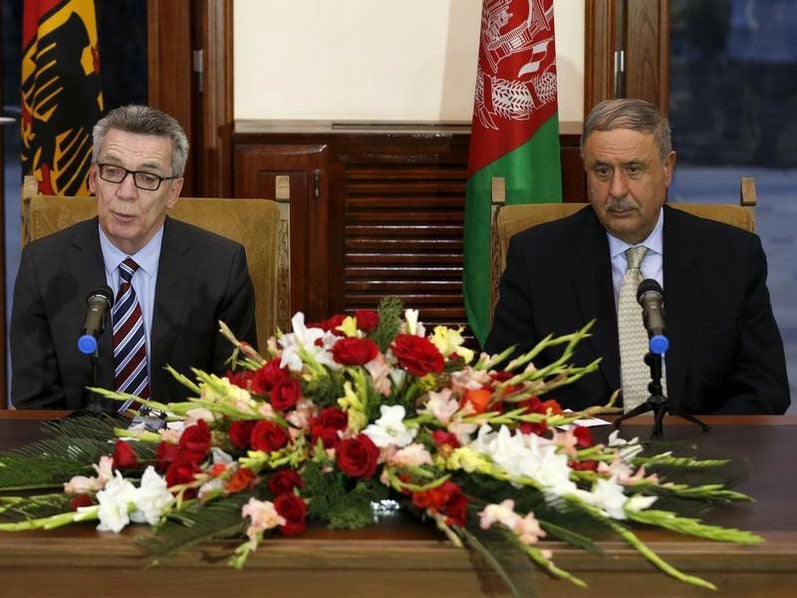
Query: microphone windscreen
point(646, 286)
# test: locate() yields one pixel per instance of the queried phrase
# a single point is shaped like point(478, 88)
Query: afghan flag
point(514, 135)
point(61, 93)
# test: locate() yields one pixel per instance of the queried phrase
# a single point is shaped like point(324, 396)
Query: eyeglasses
point(142, 179)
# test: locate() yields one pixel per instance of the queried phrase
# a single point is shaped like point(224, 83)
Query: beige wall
point(377, 60)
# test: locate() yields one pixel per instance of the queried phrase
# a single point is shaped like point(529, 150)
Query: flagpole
point(4, 120)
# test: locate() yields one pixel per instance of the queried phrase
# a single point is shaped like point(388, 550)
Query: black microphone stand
point(96, 404)
point(657, 402)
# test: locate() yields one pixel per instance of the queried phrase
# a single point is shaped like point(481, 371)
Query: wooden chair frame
point(511, 219)
point(260, 225)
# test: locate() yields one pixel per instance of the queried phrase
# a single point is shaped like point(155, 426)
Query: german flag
point(61, 93)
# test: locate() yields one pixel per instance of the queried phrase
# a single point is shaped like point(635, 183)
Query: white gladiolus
point(390, 429)
point(608, 496)
point(305, 338)
point(526, 455)
point(151, 499)
point(115, 501)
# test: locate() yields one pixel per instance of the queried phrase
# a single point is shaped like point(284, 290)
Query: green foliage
point(197, 523)
point(24, 508)
point(325, 390)
point(494, 547)
point(338, 503)
point(390, 316)
point(29, 473)
point(72, 446)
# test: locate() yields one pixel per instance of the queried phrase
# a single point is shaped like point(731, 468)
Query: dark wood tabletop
point(398, 556)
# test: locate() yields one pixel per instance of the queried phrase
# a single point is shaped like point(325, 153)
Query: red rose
point(586, 465)
point(81, 500)
point(498, 377)
point(583, 437)
point(367, 319)
point(417, 355)
point(181, 471)
point(285, 480)
point(326, 426)
point(195, 442)
point(442, 438)
point(456, 508)
point(241, 379)
point(294, 510)
point(268, 436)
point(267, 377)
point(331, 417)
point(330, 324)
point(535, 405)
point(447, 498)
point(286, 393)
point(240, 433)
point(123, 456)
point(354, 351)
point(357, 456)
point(167, 453)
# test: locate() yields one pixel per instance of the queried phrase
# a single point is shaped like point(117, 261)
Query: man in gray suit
point(726, 354)
point(184, 279)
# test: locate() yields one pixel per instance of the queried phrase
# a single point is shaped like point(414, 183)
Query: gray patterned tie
point(633, 336)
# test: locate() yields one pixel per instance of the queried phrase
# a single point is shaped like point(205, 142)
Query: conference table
point(399, 556)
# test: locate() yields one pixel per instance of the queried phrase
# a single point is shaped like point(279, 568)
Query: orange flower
point(478, 399)
point(242, 479)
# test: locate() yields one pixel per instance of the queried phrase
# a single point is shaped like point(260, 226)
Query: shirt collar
point(654, 241)
point(147, 257)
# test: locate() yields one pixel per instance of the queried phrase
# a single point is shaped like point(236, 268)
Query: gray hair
point(144, 120)
point(633, 114)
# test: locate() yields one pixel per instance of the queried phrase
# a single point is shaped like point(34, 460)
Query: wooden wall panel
point(387, 216)
point(403, 237)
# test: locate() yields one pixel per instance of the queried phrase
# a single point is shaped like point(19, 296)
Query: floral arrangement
point(342, 415)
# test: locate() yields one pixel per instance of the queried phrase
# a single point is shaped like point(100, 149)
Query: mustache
point(620, 204)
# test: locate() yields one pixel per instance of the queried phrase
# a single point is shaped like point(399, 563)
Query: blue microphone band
point(659, 344)
point(87, 344)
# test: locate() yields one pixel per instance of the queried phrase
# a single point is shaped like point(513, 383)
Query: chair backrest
point(255, 223)
point(511, 219)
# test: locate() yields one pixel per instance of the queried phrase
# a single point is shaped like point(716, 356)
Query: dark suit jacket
point(726, 354)
point(202, 278)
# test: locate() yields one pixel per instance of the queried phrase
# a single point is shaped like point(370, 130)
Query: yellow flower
point(353, 406)
point(450, 341)
point(468, 460)
point(349, 326)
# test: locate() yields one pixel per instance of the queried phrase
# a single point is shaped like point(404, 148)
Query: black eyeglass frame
point(102, 165)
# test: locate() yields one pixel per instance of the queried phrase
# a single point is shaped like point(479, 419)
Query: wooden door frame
point(176, 30)
point(641, 30)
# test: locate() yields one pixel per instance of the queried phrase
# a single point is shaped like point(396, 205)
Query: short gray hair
point(633, 114)
point(144, 121)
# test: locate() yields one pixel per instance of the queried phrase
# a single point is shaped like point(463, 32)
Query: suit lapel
point(172, 291)
point(681, 299)
point(592, 281)
point(87, 267)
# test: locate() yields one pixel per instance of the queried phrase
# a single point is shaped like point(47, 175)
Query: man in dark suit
point(726, 353)
point(185, 279)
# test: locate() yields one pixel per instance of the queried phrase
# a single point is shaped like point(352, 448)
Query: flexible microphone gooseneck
point(651, 297)
point(98, 303)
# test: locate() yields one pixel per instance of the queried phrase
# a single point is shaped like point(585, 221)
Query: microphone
point(650, 297)
point(98, 303)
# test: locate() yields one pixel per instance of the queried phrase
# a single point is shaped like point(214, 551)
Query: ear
point(93, 178)
point(175, 187)
point(669, 167)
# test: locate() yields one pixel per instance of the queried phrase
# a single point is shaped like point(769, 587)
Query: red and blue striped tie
point(129, 339)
